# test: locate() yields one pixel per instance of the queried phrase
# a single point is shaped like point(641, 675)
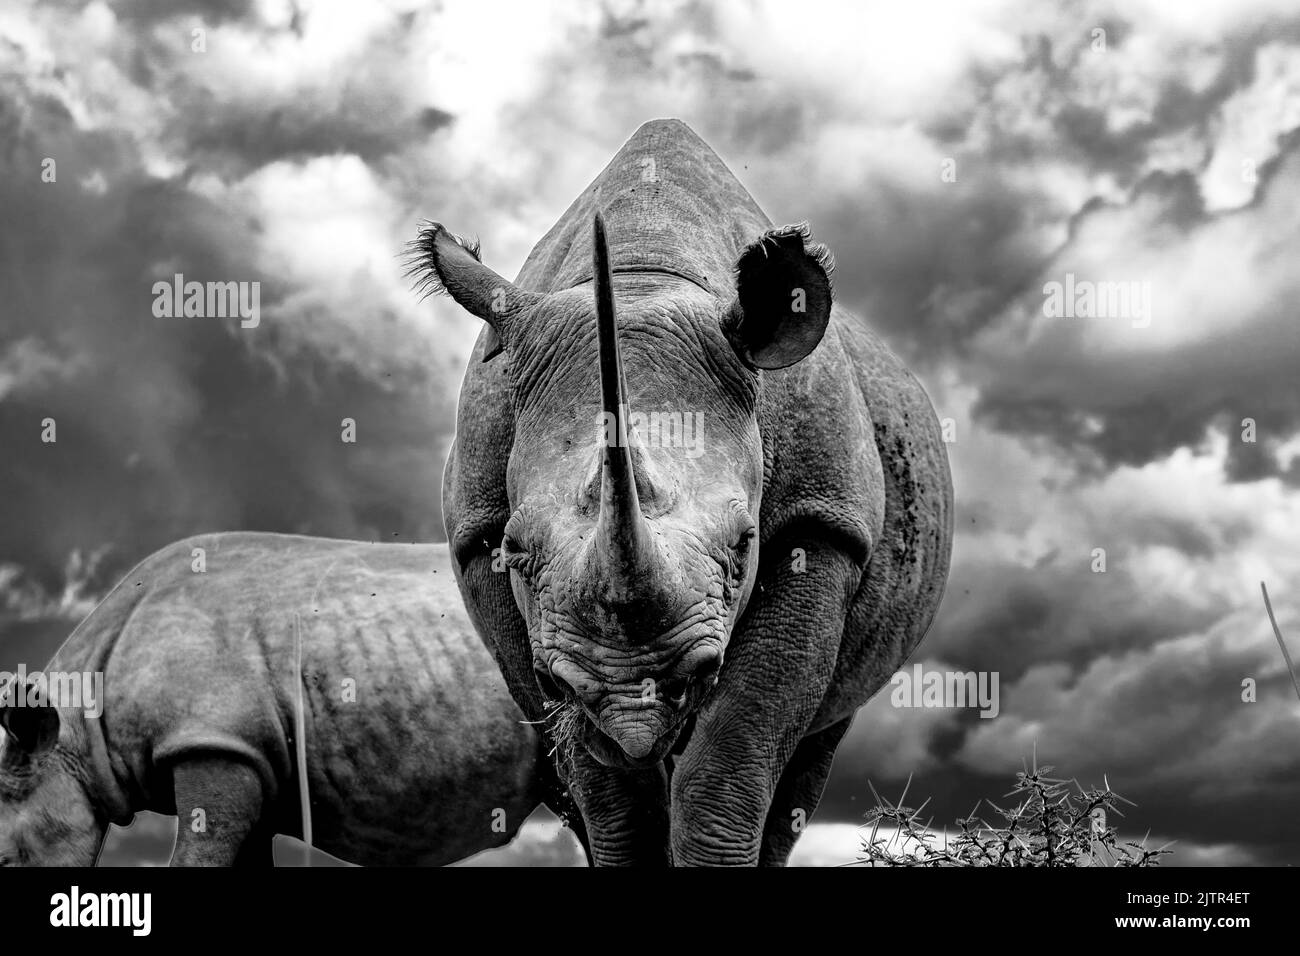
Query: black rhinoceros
point(686, 454)
point(415, 753)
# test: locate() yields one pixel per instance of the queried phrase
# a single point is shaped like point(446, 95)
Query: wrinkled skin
point(589, 641)
point(47, 815)
point(718, 627)
point(199, 683)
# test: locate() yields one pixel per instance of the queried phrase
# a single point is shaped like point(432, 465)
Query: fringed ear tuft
point(421, 258)
point(442, 262)
point(783, 298)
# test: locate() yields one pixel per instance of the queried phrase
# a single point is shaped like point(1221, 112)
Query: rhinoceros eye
point(512, 537)
point(734, 559)
point(516, 553)
point(745, 540)
point(740, 551)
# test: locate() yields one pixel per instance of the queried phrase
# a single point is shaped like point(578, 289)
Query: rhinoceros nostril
point(571, 681)
point(552, 688)
point(706, 670)
point(564, 687)
point(673, 690)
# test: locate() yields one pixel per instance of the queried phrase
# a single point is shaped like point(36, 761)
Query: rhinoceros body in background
point(789, 510)
point(415, 752)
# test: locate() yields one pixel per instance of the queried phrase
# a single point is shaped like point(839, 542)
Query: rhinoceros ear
point(442, 262)
point(783, 298)
point(31, 729)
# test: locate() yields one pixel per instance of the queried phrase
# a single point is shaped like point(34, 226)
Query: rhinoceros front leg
point(799, 792)
point(625, 812)
point(777, 671)
point(219, 808)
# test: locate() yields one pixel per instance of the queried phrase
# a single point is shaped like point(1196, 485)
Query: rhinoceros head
point(636, 469)
point(46, 816)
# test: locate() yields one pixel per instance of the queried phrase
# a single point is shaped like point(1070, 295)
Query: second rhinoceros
point(724, 505)
point(412, 751)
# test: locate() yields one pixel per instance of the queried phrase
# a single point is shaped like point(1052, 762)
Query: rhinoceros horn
point(623, 547)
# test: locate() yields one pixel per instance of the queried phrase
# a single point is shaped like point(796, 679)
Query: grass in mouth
point(563, 725)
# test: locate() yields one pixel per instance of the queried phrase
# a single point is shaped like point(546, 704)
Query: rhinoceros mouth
point(572, 729)
point(606, 750)
point(622, 730)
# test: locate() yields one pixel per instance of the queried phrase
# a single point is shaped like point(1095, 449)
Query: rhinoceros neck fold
point(670, 205)
point(87, 651)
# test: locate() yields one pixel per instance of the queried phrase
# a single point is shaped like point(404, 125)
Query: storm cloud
point(956, 156)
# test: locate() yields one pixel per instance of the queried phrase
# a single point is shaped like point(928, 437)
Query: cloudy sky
point(956, 155)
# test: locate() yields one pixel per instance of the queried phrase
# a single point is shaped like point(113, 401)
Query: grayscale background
point(302, 148)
